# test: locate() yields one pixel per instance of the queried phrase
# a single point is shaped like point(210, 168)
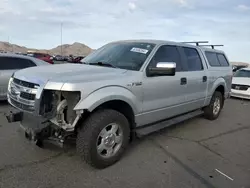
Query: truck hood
point(67, 73)
point(241, 81)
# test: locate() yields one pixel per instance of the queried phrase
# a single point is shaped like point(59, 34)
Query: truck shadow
point(70, 146)
point(4, 103)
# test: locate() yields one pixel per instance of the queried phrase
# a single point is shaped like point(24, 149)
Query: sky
point(37, 23)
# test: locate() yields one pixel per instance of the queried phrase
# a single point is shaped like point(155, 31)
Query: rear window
point(216, 59)
point(223, 61)
point(212, 59)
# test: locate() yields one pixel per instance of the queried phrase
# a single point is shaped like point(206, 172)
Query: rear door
point(197, 78)
point(8, 65)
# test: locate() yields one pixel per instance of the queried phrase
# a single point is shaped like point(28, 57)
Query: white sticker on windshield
point(139, 50)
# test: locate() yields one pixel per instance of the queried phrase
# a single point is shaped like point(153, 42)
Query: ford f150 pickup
point(123, 89)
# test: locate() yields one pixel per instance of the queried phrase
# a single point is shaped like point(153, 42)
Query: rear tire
point(212, 111)
point(103, 138)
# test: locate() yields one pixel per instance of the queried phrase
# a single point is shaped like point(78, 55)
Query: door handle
point(183, 81)
point(204, 78)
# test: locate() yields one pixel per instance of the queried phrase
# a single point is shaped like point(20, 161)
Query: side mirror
point(162, 69)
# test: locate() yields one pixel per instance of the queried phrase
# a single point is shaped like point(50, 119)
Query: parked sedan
point(9, 63)
point(241, 84)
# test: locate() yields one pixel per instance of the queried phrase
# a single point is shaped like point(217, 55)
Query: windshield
point(242, 73)
point(127, 55)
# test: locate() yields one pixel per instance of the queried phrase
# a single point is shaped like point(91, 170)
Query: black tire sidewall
point(107, 117)
point(217, 95)
point(123, 125)
point(208, 111)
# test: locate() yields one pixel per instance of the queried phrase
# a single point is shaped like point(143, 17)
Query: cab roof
point(160, 42)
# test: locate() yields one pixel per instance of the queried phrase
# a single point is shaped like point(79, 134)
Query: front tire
point(103, 138)
point(212, 111)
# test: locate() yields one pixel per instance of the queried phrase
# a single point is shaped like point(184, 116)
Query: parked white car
point(241, 84)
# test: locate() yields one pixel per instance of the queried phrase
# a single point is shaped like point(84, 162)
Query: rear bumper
point(240, 94)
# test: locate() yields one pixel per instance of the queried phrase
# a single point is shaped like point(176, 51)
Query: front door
point(163, 96)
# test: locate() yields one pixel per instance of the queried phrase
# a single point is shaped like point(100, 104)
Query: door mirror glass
point(162, 69)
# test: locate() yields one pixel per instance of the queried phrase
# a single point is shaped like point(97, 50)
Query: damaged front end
point(48, 115)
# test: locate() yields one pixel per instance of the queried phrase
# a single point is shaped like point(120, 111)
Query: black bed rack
point(203, 43)
point(212, 45)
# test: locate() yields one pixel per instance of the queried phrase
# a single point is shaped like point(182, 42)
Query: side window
point(223, 61)
point(8, 63)
point(194, 62)
point(167, 54)
point(25, 63)
point(212, 59)
point(11, 63)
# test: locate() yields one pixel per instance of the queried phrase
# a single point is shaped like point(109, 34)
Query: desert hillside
point(67, 49)
point(240, 63)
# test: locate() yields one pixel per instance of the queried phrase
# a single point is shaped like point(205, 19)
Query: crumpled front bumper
point(32, 125)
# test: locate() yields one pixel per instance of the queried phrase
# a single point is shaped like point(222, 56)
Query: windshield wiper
point(103, 64)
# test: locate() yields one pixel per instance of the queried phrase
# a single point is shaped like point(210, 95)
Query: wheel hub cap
point(216, 107)
point(109, 140)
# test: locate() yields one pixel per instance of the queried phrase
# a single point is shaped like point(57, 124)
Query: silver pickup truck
point(123, 89)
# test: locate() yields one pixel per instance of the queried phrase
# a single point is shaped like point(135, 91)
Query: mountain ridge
point(75, 48)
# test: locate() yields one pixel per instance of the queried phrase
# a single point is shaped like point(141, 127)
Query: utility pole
point(61, 38)
point(8, 42)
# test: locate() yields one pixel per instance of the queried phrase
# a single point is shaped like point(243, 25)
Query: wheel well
point(221, 89)
point(117, 105)
point(121, 107)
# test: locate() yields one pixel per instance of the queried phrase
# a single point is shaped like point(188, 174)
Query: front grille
point(27, 96)
point(240, 87)
point(22, 106)
point(22, 94)
point(24, 83)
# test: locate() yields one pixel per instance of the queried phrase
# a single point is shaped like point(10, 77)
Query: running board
point(163, 124)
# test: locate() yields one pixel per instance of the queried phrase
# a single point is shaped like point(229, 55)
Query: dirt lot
point(198, 153)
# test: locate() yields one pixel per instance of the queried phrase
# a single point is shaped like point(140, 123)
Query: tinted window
point(167, 54)
point(193, 59)
point(222, 59)
point(10, 63)
point(212, 59)
point(242, 73)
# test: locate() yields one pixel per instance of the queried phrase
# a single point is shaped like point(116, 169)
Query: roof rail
point(196, 42)
point(212, 45)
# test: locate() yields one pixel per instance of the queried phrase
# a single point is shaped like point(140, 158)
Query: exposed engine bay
point(58, 107)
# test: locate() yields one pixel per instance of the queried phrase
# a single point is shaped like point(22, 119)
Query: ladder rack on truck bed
point(201, 43)
point(212, 45)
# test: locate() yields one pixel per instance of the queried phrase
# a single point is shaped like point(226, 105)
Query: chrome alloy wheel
point(109, 141)
point(216, 106)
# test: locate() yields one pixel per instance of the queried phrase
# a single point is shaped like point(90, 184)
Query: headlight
point(10, 80)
